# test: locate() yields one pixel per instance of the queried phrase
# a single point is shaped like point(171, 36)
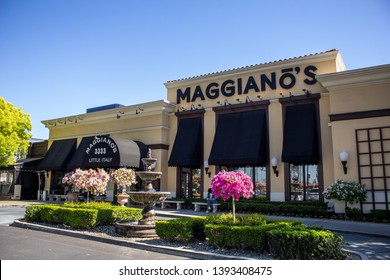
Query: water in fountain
point(146, 226)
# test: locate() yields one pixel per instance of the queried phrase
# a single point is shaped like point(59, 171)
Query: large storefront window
point(259, 178)
point(190, 182)
point(304, 182)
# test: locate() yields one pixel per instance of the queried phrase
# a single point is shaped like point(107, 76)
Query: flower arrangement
point(346, 190)
point(232, 184)
point(123, 177)
point(91, 181)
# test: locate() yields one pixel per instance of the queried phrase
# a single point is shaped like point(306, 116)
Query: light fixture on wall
point(118, 114)
point(274, 163)
point(206, 168)
point(307, 92)
point(344, 158)
point(138, 110)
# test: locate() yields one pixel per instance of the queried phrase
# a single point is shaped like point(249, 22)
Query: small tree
point(232, 184)
point(15, 127)
point(123, 177)
point(91, 181)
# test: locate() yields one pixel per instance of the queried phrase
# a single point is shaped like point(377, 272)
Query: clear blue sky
point(60, 57)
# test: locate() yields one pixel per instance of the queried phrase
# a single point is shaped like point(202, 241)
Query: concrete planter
point(339, 206)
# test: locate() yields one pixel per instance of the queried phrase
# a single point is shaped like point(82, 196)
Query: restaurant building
point(284, 123)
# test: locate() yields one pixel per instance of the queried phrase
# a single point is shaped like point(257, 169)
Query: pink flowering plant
point(232, 184)
point(123, 177)
point(90, 181)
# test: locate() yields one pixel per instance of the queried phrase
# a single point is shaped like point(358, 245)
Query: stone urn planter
point(122, 199)
point(72, 196)
point(340, 205)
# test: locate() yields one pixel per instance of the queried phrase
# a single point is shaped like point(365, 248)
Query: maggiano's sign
point(286, 79)
point(102, 151)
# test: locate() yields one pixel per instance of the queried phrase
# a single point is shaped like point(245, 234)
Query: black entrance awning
point(58, 155)
point(300, 137)
point(187, 148)
point(240, 139)
point(108, 152)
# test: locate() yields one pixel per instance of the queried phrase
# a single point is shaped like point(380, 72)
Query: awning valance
point(187, 148)
point(300, 138)
point(240, 139)
point(108, 152)
point(58, 155)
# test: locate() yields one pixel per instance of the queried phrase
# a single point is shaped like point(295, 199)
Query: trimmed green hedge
point(240, 237)
point(79, 218)
point(81, 215)
point(181, 230)
point(304, 243)
point(284, 239)
point(107, 213)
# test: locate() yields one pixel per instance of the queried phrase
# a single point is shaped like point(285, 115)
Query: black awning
point(108, 152)
point(58, 155)
point(300, 138)
point(240, 139)
point(78, 157)
point(187, 148)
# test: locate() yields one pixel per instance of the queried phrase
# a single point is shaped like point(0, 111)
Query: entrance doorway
point(190, 183)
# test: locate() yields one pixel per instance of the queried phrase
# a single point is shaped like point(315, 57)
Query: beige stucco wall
point(150, 126)
point(325, 63)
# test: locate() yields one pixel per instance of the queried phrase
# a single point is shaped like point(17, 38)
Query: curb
point(132, 244)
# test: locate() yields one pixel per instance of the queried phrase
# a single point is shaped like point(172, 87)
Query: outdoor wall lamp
point(206, 168)
point(118, 114)
point(344, 158)
point(306, 92)
point(274, 163)
point(138, 110)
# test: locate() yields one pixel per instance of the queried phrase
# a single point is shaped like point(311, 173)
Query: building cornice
point(356, 78)
point(325, 56)
point(125, 112)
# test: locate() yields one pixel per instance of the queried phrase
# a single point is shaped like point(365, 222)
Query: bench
point(165, 202)
point(198, 204)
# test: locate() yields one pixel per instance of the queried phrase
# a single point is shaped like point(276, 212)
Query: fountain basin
point(148, 197)
point(133, 229)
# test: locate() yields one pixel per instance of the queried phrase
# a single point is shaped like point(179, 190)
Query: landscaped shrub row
point(107, 213)
point(79, 218)
point(287, 209)
point(297, 241)
point(80, 215)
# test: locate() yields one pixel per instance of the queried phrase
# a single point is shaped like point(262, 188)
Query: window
point(259, 179)
point(190, 182)
point(304, 182)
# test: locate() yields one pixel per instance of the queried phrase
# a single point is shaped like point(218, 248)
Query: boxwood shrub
point(33, 213)
point(240, 237)
point(105, 214)
point(305, 243)
point(79, 218)
point(51, 214)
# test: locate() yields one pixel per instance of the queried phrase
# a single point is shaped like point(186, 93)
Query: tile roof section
point(245, 67)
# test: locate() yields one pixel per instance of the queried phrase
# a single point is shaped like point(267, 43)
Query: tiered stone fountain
point(146, 226)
